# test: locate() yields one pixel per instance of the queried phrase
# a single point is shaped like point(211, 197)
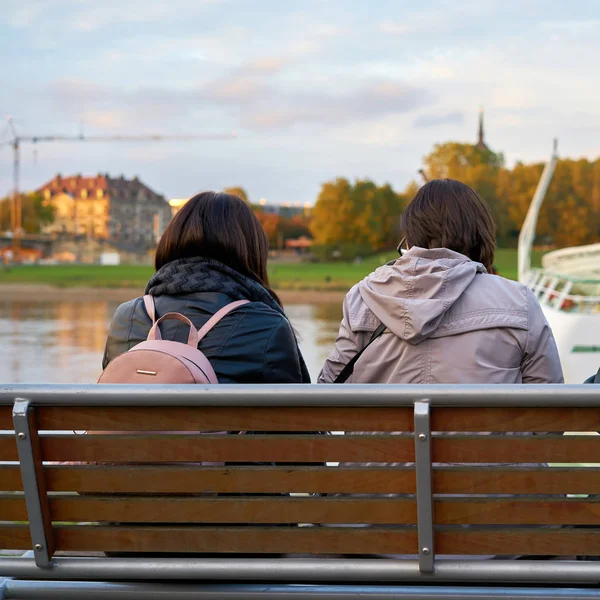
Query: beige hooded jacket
point(448, 321)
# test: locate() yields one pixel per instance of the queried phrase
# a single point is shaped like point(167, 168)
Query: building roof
point(481, 145)
point(74, 185)
point(301, 242)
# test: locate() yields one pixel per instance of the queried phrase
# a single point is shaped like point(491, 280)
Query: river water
point(63, 341)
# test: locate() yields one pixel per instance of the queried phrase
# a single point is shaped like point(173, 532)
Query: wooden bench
point(277, 515)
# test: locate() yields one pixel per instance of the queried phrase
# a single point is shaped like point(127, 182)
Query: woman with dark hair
point(436, 315)
point(214, 252)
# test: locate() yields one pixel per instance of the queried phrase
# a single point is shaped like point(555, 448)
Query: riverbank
point(34, 292)
point(297, 283)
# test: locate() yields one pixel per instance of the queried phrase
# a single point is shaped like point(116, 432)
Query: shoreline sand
point(42, 293)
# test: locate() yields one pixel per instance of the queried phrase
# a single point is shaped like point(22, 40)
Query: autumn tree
point(410, 191)
point(270, 224)
point(334, 214)
point(238, 191)
point(295, 227)
point(477, 167)
point(360, 214)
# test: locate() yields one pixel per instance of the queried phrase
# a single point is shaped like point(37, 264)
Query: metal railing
point(556, 291)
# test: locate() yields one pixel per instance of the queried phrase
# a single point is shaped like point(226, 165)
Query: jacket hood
point(412, 294)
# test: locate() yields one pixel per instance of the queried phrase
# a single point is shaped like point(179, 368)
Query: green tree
point(36, 213)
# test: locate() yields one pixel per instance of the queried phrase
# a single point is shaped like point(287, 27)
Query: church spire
point(481, 137)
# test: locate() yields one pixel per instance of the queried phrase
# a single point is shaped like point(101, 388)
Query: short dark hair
point(446, 213)
point(221, 227)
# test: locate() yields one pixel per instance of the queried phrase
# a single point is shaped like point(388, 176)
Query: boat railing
point(561, 292)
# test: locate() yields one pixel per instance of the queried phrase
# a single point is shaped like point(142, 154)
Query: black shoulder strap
point(349, 368)
point(594, 378)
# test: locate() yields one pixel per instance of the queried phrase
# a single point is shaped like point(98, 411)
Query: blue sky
point(314, 88)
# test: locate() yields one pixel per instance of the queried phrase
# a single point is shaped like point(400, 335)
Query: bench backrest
point(453, 465)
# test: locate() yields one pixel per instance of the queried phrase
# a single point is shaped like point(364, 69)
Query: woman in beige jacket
point(446, 319)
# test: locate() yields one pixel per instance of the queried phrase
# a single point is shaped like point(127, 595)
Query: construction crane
point(16, 141)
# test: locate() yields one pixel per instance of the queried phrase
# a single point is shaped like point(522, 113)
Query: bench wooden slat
point(543, 542)
point(498, 419)
point(8, 447)
point(12, 508)
point(263, 480)
point(227, 448)
point(178, 418)
point(301, 448)
point(258, 480)
point(10, 478)
point(6, 420)
point(374, 480)
point(15, 537)
point(258, 540)
point(474, 419)
point(513, 418)
point(378, 511)
point(509, 449)
point(526, 480)
point(322, 540)
point(397, 511)
point(507, 511)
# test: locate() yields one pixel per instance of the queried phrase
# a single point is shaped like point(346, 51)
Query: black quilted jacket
point(253, 344)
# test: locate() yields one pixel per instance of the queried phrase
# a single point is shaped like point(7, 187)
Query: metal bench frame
point(35, 575)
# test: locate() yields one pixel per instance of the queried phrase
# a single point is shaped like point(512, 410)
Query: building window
point(84, 194)
point(99, 193)
point(47, 194)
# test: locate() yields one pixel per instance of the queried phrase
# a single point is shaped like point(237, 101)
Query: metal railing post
point(424, 487)
point(32, 473)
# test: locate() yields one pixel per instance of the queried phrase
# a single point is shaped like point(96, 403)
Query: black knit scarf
point(197, 274)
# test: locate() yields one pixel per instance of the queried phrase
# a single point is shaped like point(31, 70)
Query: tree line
point(359, 218)
point(366, 216)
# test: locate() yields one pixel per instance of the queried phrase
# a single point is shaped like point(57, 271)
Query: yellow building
point(116, 209)
point(176, 204)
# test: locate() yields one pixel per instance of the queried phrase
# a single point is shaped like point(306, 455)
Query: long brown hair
point(446, 213)
point(218, 226)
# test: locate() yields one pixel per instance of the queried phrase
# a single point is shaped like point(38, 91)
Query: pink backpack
point(162, 361)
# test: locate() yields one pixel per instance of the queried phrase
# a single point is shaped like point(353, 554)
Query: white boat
point(568, 289)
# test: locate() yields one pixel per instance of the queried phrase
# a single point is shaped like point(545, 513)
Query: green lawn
point(304, 276)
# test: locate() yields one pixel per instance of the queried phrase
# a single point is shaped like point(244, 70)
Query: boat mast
point(527, 235)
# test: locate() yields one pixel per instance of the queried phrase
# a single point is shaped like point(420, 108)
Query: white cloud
point(22, 16)
point(266, 65)
point(90, 15)
point(454, 117)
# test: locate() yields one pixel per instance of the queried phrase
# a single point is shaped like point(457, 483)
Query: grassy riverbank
point(284, 276)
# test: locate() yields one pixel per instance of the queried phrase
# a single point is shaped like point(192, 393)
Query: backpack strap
point(218, 316)
point(594, 378)
point(349, 368)
point(150, 309)
point(154, 333)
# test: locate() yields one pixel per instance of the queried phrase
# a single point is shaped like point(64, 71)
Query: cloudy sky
point(314, 88)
